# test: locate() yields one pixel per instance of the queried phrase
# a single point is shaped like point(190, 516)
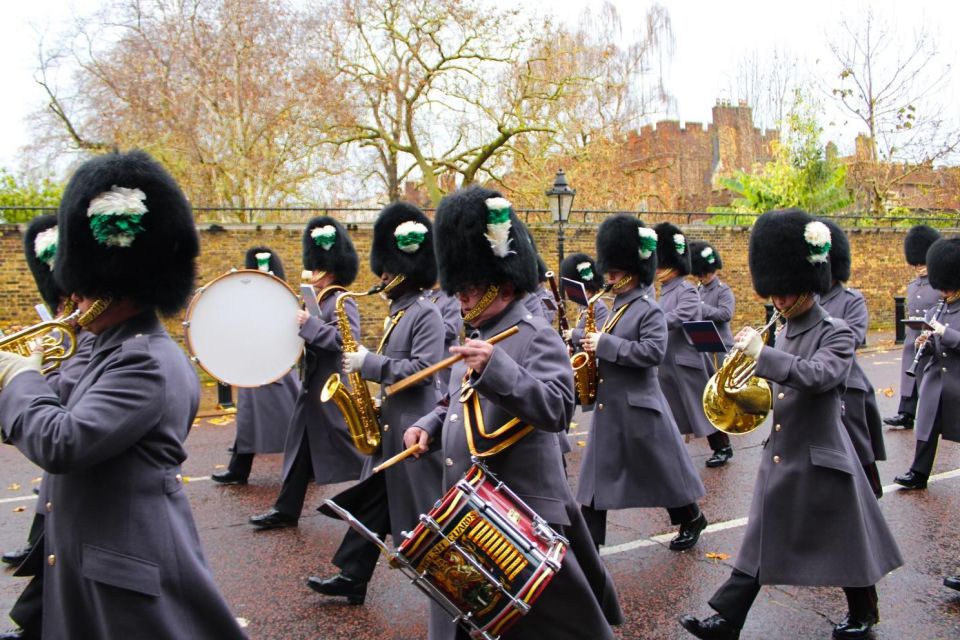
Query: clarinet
point(912, 370)
point(561, 309)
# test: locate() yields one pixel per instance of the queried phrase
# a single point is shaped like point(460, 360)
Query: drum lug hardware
point(186, 323)
point(194, 359)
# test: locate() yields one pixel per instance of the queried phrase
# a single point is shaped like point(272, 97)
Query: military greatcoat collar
point(670, 286)
point(405, 301)
point(713, 284)
point(835, 290)
point(145, 322)
point(801, 324)
point(510, 316)
point(628, 297)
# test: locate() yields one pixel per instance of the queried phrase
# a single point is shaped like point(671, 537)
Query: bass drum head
point(241, 328)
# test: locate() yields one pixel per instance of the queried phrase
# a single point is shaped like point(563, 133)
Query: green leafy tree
point(22, 199)
point(802, 174)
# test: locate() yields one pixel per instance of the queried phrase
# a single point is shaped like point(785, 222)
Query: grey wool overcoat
point(122, 553)
point(718, 304)
point(529, 377)
point(861, 415)
point(411, 345)
point(941, 363)
point(263, 415)
point(635, 456)
point(921, 297)
point(334, 457)
point(683, 373)
point(814, 519)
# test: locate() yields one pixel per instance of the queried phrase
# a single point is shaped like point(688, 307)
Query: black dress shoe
point(853, 629)
point(720, 457)
point(354, 589)
point(904, 420)
point(16, 558)
point(953, 582)
point(716, 627)
point(228, 477)
point(273, 519)
point(689, 533)
point(912, 480)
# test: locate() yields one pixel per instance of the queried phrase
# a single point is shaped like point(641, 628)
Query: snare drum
point(241, 328)
point(483, 554)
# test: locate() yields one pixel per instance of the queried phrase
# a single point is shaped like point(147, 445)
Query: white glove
point(590, 341)
point(13, 364)
point(938, 328)
point(353, 360)
point(567, 335)
point(749, 341)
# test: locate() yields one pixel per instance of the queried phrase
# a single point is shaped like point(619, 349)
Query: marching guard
point(683, 374)
point(581, 268)
point(814, 520)
point(318, 445)
point(921, 297)
point(860, 414)
point(122, 554)
point(506, 403)
point(392, 500)
point(635, 456)
point(264, 412)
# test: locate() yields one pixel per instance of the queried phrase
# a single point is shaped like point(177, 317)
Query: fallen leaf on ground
point(887, 392)
point(19, 509)
point(14, 487)
point(36, 480)
point(717, 556)
point(581, 443)
point(219, 466)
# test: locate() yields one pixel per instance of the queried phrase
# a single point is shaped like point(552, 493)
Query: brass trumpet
point(55, 339)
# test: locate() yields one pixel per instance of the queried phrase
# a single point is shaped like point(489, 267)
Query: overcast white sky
point(711, 39)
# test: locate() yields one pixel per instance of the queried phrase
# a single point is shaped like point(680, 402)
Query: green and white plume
point(679, 243)
point(325, 236)
point(410, 235)
point(45, 246)
point(498, 226)
point(648, 242)
point(817, 236)
point(116, 216)
point(585, 270)
point(263, 260)
point(708, 255)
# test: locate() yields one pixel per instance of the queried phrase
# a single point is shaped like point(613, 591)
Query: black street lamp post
point(560, 196)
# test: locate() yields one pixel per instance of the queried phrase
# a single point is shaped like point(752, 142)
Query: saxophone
point(355, 403)
point(584, 363)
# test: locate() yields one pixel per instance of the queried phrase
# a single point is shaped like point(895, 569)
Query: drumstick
point(403, 455)
point(443, 364)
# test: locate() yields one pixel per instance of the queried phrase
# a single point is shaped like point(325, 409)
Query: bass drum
point(241, 328)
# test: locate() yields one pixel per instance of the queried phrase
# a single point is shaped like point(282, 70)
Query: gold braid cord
point(621, 283)
point(488, 297)
point(99, 306)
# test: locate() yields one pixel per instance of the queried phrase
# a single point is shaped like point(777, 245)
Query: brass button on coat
point(49, 507)
point(178, 478)
point(449, 462)
point(776, 428)
point(776, 459)
point(386, 428)
point(453, 418)
point(780, 396)
point(51, 559)
point(600, 407)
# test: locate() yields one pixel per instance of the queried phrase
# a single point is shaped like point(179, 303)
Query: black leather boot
point(689, 533)
point(720, 457)
point(912, 480)
point(354, 589)
point(273, 519)
point(716, 627)
point(16, 558)
point(852, 629)
point(228, 477)
point(952, 582)
point(902, 420)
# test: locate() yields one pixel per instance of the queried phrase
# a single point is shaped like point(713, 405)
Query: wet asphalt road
point(262, 573)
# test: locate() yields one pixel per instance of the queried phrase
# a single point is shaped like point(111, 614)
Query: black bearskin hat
point(327, 247)
point(40, 249)
point(581, 268)
point(943, 264)
point(480, 241)
point(917, 243)
point(403, 243)
point(626, 244)
point(839, 252)
point(672, 249)
point(127, 230)
point(704, 258)
point(274, 265)
point(789, 254)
